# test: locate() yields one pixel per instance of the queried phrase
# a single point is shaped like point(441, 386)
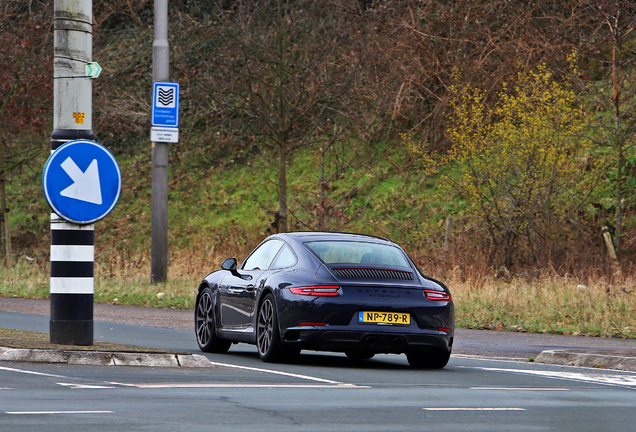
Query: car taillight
point(317, 290)
point(437, 295)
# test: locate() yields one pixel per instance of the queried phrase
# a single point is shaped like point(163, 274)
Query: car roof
point(303, 236)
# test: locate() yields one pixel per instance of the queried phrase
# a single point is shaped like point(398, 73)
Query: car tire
point(268, 341)
point(435, 359)
point(205, 325)
point(360, 355)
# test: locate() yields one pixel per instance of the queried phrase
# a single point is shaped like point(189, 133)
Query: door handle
point(250, 288)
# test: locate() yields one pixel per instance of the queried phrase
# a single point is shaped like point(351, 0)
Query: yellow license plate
point(384, 318)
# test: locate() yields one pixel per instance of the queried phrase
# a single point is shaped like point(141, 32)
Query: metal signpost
point(165, 121)
point(81, 183)
point(78, 180)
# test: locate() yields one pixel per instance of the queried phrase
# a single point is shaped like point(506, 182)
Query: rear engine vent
point(366, 273)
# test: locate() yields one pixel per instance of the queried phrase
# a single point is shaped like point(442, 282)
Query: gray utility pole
point(160, 151)
point(72, 246)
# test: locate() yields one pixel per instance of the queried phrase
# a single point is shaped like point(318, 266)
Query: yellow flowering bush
point(520, 163)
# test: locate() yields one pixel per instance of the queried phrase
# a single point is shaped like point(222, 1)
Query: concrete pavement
point(102, 358)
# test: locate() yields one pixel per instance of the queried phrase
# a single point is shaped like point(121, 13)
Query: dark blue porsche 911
point(350, 293)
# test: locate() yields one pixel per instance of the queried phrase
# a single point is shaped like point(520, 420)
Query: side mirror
point(230, 265)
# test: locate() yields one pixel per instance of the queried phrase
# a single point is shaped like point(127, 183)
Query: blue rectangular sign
point(165, 104)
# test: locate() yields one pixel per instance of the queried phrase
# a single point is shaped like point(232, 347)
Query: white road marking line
point(591, 377)
point(306, 377)
point(56, 412)
point(333, 384)
point(521, 388)
point(229, 386)
point(85, 386)
point(504, 359)
point(474, 409)
point(30, 372)
point(121, 384)
point(204, 385)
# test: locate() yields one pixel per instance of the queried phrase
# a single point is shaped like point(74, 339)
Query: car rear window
point(350, 252)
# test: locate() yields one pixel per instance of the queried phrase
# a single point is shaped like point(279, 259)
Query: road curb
point(601, 361)
point(103, 358)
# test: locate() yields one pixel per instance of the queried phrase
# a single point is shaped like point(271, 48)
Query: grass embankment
point(219, 212)
point(548, 305)
point(11, 338)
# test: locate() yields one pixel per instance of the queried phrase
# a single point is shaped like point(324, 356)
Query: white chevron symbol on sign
point(86, 186)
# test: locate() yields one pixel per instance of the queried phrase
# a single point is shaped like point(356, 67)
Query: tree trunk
point(282, 188)
point(323, 194)
point(5, 229)
point(282, 124)
point(448, 233)
point(619, 143)
point(7, 237)
point(2, 203)
point(619, 195)
point(611, 252)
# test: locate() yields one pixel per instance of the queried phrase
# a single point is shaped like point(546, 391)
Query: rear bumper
point(344, 339)
point(343, 331)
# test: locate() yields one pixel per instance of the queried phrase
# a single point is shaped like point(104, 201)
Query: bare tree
point(285, 69)
point(422, 46)
point(607, 56)
point(24, 85)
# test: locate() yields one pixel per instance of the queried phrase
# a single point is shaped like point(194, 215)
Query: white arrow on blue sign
point(165, 104)
point(81, 181)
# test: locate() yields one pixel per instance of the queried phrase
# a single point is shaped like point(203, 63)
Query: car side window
point(262, 257)
point(286, 258)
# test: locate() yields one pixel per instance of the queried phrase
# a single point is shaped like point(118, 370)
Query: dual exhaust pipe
point(397, 342)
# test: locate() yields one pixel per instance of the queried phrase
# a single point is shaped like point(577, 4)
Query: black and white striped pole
point(81, 179)
point(72, 283)
point(82, 184)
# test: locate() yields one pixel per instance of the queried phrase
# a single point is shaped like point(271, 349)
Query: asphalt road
point(321, 391)
point(492, 344)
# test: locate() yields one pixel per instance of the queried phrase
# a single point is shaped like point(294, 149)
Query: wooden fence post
point(611, 252)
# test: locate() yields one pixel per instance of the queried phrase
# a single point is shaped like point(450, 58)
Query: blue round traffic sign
point(81, 181)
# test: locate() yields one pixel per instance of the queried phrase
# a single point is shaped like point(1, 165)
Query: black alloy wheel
point(268, 342)
point(204, 326)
